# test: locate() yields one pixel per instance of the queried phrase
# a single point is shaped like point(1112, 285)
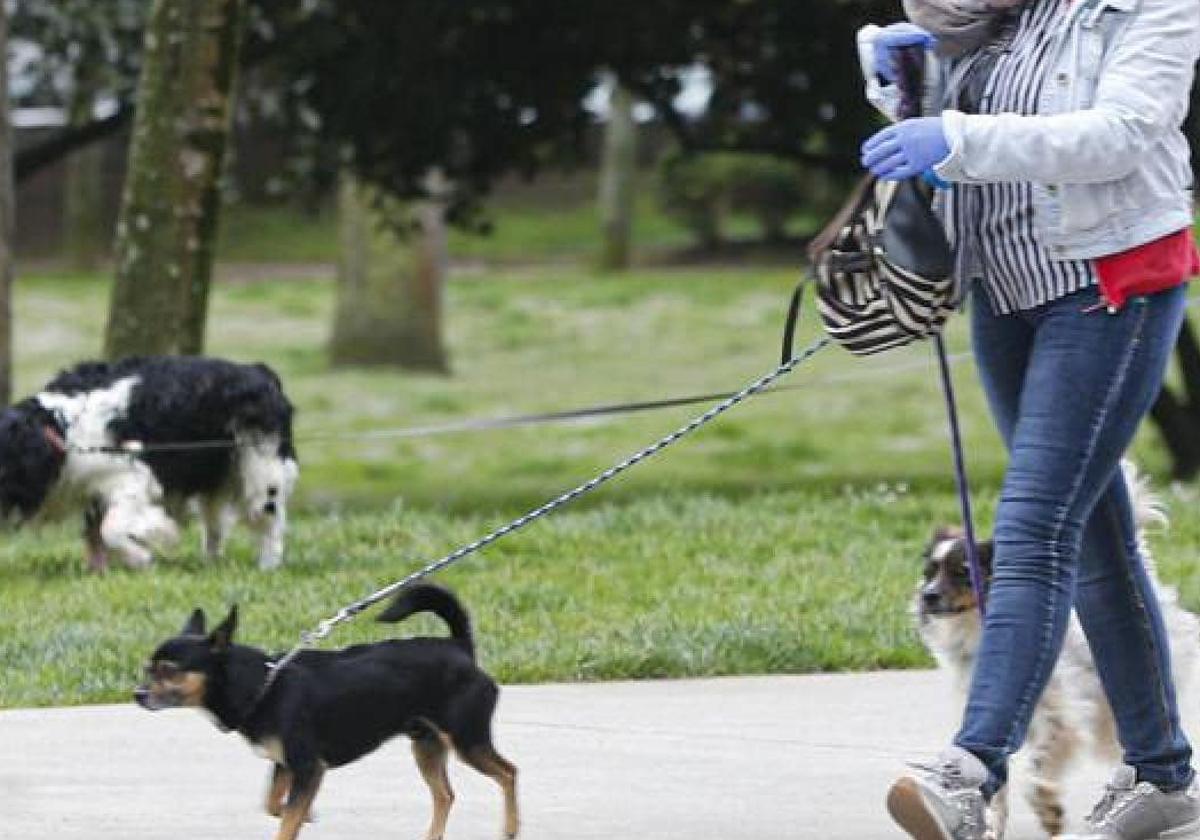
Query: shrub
point(693, 192)
point(700, 191)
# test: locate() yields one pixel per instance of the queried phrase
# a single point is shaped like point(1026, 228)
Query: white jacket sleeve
point(1142, 94)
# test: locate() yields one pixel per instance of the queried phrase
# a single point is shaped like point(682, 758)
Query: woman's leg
point(1120, 615)
point(943, 799)
point(1088, 381)
point(1001, 346)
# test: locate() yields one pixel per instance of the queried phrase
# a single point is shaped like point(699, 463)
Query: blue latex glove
point(906, 149)
point(892, 38)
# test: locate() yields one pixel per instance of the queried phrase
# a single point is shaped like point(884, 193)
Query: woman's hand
point(906, 149)
point(892, 38)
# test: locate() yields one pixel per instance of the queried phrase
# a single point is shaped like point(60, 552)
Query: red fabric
point(1153, 267)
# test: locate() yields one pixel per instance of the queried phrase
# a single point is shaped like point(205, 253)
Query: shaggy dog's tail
point(426, 597)
point(1148, 507)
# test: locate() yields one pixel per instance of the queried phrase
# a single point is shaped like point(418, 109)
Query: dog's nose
point(930, 598)
point(141, 696)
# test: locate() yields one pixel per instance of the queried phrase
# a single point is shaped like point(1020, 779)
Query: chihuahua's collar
point(234, 711)
point(271, 666)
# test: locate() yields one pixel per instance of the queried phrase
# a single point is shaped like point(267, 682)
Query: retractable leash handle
point(910, 80)
point(879, 92)
point(911, 83)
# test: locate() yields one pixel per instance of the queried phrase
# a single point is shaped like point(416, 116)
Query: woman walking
point(1071, 212)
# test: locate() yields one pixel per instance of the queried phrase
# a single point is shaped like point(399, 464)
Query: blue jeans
point(1067, 389)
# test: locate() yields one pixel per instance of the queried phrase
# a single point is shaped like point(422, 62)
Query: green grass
point(782, 539)
point(553, 220)
point(277, 234)
point(696, 585)
point(542, 339)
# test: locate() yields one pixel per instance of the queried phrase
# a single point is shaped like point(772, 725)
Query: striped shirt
point(993, 223)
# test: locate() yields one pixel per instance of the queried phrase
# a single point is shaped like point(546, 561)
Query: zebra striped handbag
point(883, 270)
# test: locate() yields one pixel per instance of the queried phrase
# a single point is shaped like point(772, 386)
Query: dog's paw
point(137, 557)
point(276, 811)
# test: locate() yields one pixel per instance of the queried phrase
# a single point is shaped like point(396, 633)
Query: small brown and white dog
point(1073, 715)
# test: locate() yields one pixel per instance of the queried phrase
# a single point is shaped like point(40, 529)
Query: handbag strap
point(974, 566)
point(860, 198)
point(793, 316)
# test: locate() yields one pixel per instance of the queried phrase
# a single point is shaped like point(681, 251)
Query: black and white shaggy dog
point(1073, 715)
point(136, 442)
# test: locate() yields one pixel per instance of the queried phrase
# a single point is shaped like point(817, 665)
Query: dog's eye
point(165, 670)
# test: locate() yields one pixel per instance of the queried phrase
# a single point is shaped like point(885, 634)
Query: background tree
point(168, 221)
point(399, 89)
point(85, 236)
point(618, 169)
point(87, 63)
point(407, 86)
point(1177, 410)
point(394, 89)
point(7, 212)
point(390, 277)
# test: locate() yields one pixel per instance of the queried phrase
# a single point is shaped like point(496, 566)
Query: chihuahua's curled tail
point(427, 597)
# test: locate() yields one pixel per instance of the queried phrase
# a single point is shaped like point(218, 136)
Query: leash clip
point(324, 628)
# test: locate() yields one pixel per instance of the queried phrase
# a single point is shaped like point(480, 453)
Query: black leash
point(961, 482)
point(140, 448)
point(912, 86)
point(350, 611)
point(974, 567)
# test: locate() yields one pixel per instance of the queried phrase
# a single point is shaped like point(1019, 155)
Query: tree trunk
point(167, 227)
point(389, 289)
point(1178, 417)
point(84, 235)
point(617, 174)
point(7, 216)
point(1177, 425)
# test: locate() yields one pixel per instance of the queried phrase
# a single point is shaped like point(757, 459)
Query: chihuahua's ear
point(195, 624)
point(222, 637)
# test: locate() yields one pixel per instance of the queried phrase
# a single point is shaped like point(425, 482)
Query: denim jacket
point(1105, 151)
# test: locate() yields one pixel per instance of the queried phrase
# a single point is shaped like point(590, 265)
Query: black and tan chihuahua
point(329, 708)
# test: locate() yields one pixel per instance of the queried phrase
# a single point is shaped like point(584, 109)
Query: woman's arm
point(1142, 94)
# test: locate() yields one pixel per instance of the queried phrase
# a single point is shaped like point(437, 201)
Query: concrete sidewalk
point(766, 758)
